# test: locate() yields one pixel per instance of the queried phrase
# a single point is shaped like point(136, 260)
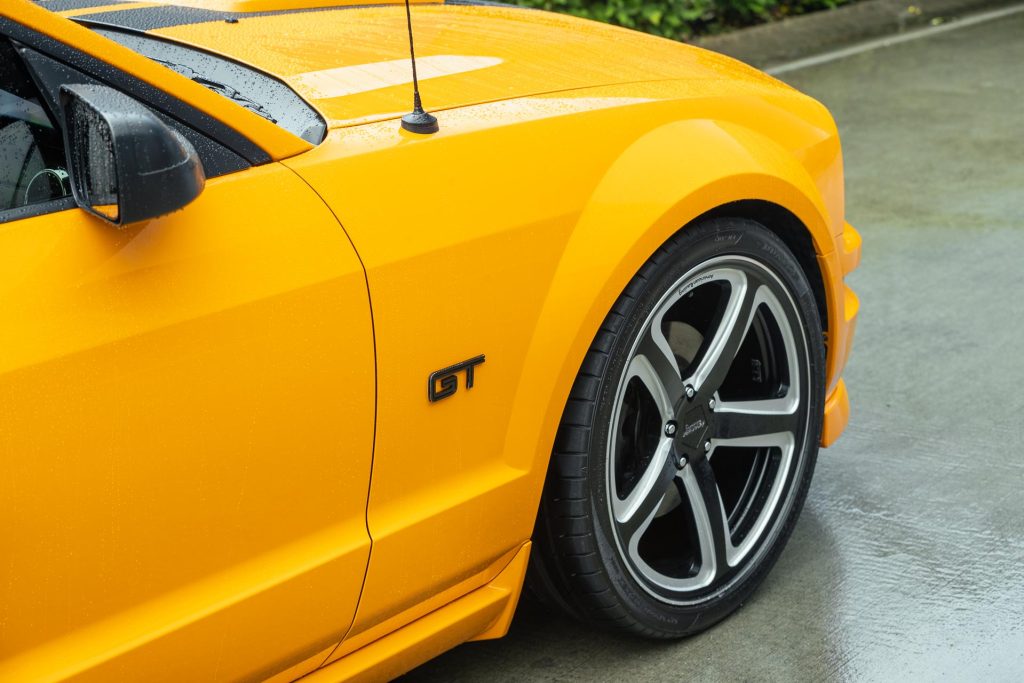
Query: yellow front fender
point(665, 180)
point(509, 234)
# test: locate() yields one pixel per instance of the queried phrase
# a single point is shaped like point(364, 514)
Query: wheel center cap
point(694, 427)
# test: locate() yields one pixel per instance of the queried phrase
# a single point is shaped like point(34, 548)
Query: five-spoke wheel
point(690, 436)
point(705, 421)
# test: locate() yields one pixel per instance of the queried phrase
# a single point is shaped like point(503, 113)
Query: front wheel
point(690, 436)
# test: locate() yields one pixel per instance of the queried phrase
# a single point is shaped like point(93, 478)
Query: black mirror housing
point(126, 164)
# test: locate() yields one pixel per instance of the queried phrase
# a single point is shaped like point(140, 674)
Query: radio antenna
point(416, 121)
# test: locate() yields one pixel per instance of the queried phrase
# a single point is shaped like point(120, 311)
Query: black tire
point(592, 560)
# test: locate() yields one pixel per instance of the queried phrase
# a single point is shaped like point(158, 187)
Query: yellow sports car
point(297, 383)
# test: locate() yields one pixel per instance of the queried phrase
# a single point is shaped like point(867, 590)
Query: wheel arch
point(794, 235)
point(704, 168)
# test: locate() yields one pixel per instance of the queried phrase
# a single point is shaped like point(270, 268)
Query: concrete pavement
point(908, 561)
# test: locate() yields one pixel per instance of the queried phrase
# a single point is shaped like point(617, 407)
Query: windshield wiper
point(220, 88)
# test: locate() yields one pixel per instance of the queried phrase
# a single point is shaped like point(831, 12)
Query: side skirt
point(482, 614)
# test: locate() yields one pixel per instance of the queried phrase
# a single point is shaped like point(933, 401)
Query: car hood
point(352, 63)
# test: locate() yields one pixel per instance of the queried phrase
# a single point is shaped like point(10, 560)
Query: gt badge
point(445, 382)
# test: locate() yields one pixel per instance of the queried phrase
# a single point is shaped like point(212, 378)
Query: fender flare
point(701, 165)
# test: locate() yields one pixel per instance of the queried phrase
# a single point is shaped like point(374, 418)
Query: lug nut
point(711, 404)
point(707, 446)
point(670, 429)
point(690, 391)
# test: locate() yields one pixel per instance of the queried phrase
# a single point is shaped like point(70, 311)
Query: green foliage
point(681, 19)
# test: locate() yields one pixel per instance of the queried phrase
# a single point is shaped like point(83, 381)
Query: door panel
point(186, 426)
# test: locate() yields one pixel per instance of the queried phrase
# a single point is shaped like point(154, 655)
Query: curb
point(772, 44)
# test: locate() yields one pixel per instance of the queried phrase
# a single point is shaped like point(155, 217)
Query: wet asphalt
point(908, 561)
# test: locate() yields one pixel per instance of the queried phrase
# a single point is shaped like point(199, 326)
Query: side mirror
point(126, 164)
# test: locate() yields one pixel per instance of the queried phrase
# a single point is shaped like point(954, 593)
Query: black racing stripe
point(65, 5)
point(149, 18)
point(138, 89)
point(152, 18)
point(163, 17)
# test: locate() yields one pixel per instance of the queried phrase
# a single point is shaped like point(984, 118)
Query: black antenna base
point(419, 121)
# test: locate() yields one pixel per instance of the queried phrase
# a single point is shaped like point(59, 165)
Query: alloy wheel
point(707, 428)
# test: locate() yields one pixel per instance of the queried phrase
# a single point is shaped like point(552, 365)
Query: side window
point(33, 168)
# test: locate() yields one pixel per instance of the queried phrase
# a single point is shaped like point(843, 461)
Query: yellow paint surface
point(193, 406)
